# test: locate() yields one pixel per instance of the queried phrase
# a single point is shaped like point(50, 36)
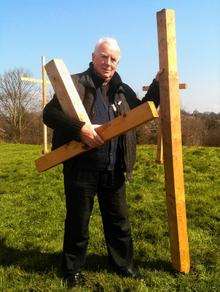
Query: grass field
point(32, 214)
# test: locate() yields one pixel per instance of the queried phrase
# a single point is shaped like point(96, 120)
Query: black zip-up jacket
point(119, 94)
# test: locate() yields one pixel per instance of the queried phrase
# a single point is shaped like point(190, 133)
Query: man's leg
point(113, 207)
point(80, 188)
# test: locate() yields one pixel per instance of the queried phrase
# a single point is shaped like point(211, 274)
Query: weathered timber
point(172, 144)
point(116, 127)
point(65, 90)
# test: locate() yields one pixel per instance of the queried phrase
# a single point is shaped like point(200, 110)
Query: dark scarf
point(113, 84)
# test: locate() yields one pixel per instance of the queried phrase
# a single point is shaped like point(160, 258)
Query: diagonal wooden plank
point(116, 127)
point(65, 90)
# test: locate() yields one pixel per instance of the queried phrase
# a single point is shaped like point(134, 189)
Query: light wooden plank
point(172, 144)
point(116, 127)
point(65, 90)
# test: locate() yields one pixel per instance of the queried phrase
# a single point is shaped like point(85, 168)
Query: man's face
point(105, 60)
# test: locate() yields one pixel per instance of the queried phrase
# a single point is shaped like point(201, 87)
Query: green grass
point(32, 210)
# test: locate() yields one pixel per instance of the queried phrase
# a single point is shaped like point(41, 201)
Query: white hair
point(111, 41)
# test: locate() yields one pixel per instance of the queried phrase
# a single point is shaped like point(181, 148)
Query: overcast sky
point(69, 30)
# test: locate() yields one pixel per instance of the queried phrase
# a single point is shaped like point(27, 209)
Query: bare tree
point(17, 98)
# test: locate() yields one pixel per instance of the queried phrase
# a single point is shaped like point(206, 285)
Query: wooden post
point(172, 144)
point(44, 102)
point(44, 82)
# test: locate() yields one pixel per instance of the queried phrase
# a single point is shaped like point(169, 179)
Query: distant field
point(32, 214)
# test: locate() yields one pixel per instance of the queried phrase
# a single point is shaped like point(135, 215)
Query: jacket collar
point(89, 78)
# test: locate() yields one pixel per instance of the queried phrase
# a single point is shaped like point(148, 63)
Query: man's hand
point(89, 136)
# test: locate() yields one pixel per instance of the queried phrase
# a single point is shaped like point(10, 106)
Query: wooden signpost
point(172, 144)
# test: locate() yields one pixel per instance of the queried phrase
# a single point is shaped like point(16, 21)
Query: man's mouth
point(106, 70)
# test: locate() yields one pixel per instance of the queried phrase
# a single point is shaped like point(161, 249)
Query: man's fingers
point(89, 136)
point(98, 139)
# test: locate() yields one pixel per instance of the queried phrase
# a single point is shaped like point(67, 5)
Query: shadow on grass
point(33, 260)
point(155, 265)
point(30, 260)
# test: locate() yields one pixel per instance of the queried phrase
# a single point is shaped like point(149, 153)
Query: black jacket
point(119, 93)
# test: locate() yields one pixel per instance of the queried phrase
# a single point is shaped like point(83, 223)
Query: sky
point(69, 30)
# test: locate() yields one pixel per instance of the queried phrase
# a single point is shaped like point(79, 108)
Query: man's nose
point(108, 61)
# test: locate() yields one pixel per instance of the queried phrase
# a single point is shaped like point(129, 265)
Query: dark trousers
point(80, 188)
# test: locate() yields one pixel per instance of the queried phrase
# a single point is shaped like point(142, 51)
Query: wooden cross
point(44, 84)
point(170, 126)
point(172, 143)
point(73, 107)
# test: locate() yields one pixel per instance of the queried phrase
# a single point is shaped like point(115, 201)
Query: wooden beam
point(181, 86)
point(65, 90)
point(172, 144)
point(116, 127)
point(33, 80)
point(44, 102)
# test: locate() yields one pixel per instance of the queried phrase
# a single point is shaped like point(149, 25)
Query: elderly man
point(101, 170)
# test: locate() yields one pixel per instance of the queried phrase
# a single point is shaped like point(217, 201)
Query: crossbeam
point(34, 80)
point(114, 128)
point(181, 86)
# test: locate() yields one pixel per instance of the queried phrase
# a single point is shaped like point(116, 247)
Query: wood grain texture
point(172, 144)
point(65, 90)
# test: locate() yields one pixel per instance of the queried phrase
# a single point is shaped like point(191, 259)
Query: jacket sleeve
point(153, 93)
point(131, 96)
point(56, 119)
